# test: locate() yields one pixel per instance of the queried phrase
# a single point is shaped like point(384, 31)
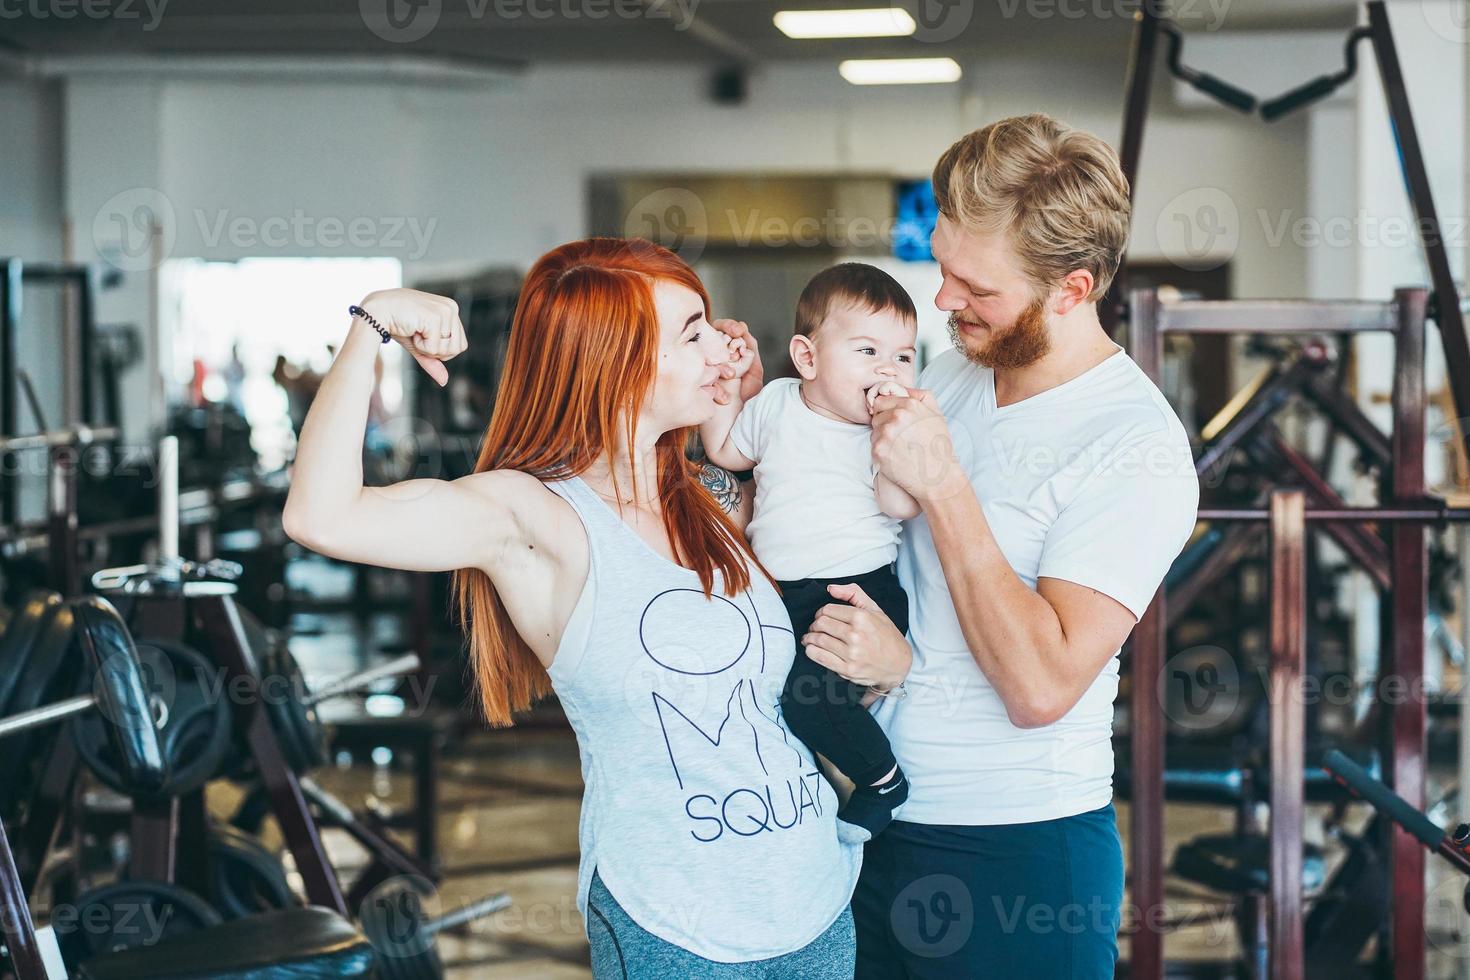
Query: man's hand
point(745, 357)
point(885, 388)
point(856, 639)
point(912, 446)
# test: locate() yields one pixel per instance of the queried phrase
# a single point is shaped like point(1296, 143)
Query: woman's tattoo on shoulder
point(722, 485)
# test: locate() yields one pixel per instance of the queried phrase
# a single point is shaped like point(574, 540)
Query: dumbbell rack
point(163, 828)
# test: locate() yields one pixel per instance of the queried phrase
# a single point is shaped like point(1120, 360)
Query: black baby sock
point(871, 808)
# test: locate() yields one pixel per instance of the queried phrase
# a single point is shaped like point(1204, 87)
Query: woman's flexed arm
point(424, 525)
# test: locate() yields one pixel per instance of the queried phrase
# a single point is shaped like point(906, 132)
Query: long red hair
point(581, 361)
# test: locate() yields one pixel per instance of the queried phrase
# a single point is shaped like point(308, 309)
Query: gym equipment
point(291, 709)
point(214, 443)
point(1218, 89)
point(120, 693)
point(126, 914)
point(388, 857)
point(77, 341)
point(291, 706)
point(1321, 86)
point(1451, 847)
point(394, 921)
point(1401, 518)
point(64, 448)
point(35, 655)
point(245, 877)
point(308, 942)
point(135, 912)
point(193, 720)
point(1444, 302)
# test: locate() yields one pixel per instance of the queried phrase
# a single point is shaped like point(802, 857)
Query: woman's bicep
point(422, 525)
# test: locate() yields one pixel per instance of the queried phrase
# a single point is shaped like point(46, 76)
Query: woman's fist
point(427, 326)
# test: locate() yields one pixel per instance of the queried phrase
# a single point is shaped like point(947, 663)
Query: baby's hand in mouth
point(885, 388)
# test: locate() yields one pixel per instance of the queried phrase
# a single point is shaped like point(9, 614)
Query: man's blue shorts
point(1031, 901)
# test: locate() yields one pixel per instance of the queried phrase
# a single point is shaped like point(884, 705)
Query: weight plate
point(192, 715)
point(303, 739)
point(394, 917)
point(120, 684)
point(49, 669)
point(19, 639)
point(245, 877)
point(299, 731)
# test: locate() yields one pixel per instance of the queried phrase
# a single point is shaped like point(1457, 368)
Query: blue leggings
point(624, 950)
point(1033, 900)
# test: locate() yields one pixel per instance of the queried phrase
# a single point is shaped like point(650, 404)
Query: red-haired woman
point(592, 559)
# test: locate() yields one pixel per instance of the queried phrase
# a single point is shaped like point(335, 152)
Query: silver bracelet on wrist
point(898, 691)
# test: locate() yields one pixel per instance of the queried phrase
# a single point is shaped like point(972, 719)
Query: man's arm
point(1040, 649)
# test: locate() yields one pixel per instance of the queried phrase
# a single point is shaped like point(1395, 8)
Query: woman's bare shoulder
point(541, 518)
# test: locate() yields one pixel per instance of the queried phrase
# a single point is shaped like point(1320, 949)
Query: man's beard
point(1024, 342)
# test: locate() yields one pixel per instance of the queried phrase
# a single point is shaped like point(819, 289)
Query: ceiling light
point(874, 22)
point(900, 71)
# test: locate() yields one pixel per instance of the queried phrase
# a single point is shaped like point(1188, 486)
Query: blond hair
point(1058, 193)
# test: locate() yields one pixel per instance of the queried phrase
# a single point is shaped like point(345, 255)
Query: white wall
point(499, 175)
point(30, 169)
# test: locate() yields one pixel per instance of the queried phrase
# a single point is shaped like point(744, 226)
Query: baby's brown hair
point(850, 283)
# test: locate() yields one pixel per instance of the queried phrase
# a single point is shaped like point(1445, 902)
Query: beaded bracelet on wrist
point(359, 311)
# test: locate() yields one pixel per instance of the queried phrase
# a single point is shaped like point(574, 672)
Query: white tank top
point(708, 821)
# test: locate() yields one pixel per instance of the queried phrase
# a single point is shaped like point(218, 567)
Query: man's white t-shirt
point(816, 512)
point(1092, 482)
